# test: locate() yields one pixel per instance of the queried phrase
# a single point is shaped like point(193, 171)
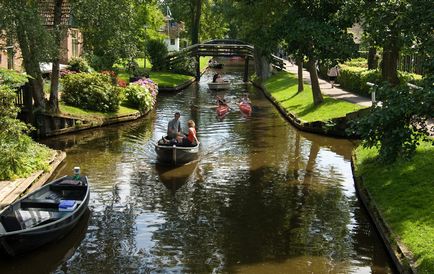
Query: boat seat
point(67, 187)
point(22, 219)
point(39, 203)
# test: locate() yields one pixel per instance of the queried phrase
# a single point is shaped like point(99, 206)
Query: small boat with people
point(219, 83)
point(45, 215)
point(170, 153)
point(222, 110)
point(219, 86)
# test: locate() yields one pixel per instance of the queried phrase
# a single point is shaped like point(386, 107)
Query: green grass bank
point(283, 87)
point(90, 114)
point(404, 194)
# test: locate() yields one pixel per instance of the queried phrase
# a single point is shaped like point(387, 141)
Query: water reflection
point(262, 197)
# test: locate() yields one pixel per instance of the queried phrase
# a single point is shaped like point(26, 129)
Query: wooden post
point(198, 67)
point(246, 69)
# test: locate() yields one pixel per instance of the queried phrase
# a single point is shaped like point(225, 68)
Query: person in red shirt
point(191, 139)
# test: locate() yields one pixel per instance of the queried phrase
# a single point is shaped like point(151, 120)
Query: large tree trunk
point(31, 66)
point(262, 65)
point(372, 58)
point(54, 91)
point(389, 64)
point(316, 91)
point(299, 62)
point(196, 21)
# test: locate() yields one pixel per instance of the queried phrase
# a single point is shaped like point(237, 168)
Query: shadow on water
point(174, 177)
point(47, 258)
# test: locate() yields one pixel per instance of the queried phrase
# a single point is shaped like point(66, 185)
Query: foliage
point(283, 88)
point(93, 91)
point(397, 126)
point(403, 192)
point(186, 66)
point(19, 155)
point(115, 29)
point(12, 78)
point(157, 51)
point(78, 64)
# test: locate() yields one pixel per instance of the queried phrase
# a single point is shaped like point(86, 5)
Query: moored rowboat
point(44, 215)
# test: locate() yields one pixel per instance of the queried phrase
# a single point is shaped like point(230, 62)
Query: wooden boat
point(44, 215)
point(245, 107)
point(222, 110)
point(215, 65)
point(219, 86)
point(173, 154)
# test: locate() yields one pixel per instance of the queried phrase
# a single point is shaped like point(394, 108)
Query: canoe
point(216, 66)
point(219, 86)
point(43, 216)
point(173, 154)
point(245, 107)
point(222, 110)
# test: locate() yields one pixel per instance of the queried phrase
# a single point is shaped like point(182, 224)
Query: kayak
point(245, 107)
point(222, 110)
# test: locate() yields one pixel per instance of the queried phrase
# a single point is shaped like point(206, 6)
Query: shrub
point(92, 91)
point(157, 51)
point(186, 66)
point(12, 78)
point(19, 155)
point(398, 125)
point(138, 96)
point(354, 79)
point(78, 64)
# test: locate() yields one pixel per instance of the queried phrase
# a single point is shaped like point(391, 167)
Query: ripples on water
point(262, 198)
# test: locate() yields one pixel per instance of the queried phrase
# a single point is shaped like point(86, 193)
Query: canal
point(262, 198)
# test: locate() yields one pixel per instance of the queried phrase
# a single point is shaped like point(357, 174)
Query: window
point(172, 42)
point(74, 39)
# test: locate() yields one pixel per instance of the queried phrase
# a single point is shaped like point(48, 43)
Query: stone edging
point(70, 124)
point(20, 187)
point(335, 127)
point(403, 259)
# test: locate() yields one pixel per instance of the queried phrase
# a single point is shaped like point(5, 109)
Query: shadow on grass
point(328, 102)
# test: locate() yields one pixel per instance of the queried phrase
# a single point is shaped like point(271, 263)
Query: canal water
point(263, 197)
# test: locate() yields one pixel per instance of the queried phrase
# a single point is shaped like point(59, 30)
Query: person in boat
point(174, 126)
point(217, 78)
point(245, 99)
point(221, 101)
point(190, 139)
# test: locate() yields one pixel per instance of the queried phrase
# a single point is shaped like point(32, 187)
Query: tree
point(111, 29)
point(316, 32)
point(395, 25)
point(21, 22)
point(257, 25)
point(58, 30)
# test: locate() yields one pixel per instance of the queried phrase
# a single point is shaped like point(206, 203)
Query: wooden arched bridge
point(220, 48)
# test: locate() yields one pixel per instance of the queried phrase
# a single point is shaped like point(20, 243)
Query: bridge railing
point(219, 49)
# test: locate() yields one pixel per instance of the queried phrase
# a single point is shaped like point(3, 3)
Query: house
point(72, 40)
point(172, 31)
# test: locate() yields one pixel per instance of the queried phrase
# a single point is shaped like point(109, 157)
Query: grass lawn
point(404, 193)
point(204, 61)
point(94, 114)
point(169, 79)
point(283, 87)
